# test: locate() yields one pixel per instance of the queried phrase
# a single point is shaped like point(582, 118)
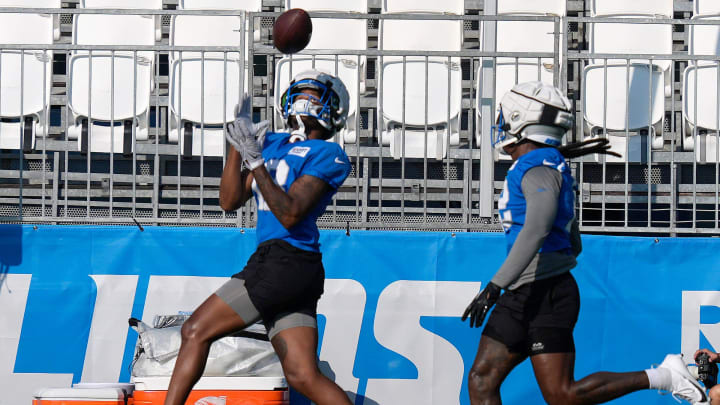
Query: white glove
point(246, 137)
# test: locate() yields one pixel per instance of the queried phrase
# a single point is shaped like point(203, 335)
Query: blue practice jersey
point(287, 162)
point(512, 204)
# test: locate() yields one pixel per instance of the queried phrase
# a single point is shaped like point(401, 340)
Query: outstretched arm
point(235, 183)
point(541, 188)
point(247, 141)
point(290, 208)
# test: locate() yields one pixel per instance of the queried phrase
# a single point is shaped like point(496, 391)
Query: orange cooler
point(217, 391)
point(79, 396)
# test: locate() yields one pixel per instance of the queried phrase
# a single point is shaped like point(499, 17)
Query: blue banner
point(389, 321)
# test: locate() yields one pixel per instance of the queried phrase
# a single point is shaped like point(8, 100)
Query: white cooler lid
point(214, 383)
point(127, 387)
point(80, 394)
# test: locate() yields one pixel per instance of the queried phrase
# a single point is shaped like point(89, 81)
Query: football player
point(293, 176)
point(536, 314)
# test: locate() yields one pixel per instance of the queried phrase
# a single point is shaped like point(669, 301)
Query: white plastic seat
point(538, 7)
point(618, 76)
point(655, 39)
point(704, 39)
point(523, 36)
point(340, 6)
point(612, 108)
point(205, 87)
point(456, 7)
point(705, 7)
point(700, 89)
point(25, 77)
point(660, 8)
point(111, 104)
point(349, 68)
point(107, 108)
point(247, 5)
point(438, 109)
point(441, 97)
point(624, 38)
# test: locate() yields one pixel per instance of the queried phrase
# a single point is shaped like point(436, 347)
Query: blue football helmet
point(330, 109)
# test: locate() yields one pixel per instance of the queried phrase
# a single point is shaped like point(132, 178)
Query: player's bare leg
point(212, 320)
point(492, 364)
point(555, 376)
point(714, 395)
point(297, 348)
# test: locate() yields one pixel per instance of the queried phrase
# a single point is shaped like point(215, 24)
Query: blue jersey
point(512, 204)
point(287, 162)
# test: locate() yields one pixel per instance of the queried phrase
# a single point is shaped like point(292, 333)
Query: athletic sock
point(659, 378)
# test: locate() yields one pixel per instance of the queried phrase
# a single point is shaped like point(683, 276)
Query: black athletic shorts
point(538, 317)
point(282, 279)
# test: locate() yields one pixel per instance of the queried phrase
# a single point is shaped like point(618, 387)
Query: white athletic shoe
point(684, 386)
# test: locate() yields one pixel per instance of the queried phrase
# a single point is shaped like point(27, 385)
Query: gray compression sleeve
point(541, 188)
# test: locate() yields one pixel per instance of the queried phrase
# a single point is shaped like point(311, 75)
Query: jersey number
point(505, 214)
point(279, 171)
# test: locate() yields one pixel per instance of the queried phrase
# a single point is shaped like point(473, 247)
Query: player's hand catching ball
point(481, 304)
point(247, 137)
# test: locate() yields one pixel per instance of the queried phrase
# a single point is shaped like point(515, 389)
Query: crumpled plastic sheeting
point(157, 349)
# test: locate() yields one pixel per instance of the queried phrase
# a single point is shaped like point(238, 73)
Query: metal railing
point(453, 185)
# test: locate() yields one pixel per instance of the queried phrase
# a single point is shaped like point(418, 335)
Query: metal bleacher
point(160, 160)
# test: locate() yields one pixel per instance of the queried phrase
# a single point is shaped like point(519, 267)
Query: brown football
point(292, 31)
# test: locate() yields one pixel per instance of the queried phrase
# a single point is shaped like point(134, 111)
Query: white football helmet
point(330, 110)
point(535, 111)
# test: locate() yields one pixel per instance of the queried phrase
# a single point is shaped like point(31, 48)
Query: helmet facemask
point(295, 102)
point(500, 137)
point(326, 108)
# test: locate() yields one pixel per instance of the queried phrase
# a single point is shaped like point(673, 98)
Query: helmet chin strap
point(298, 134)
